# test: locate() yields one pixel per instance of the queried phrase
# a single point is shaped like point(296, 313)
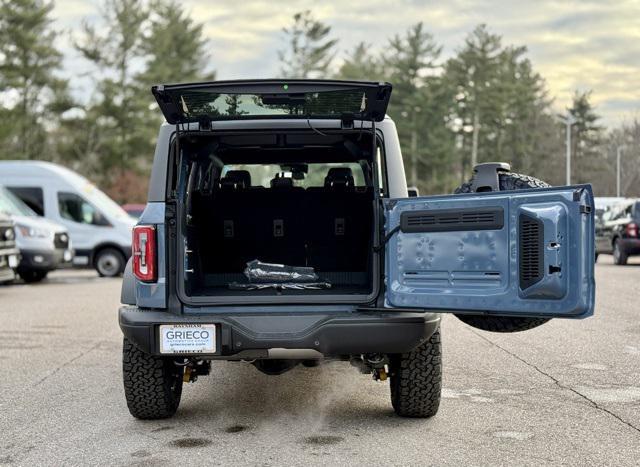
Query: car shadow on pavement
point(325, 398)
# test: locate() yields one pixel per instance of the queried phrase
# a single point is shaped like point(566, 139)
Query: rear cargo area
point(239, 210)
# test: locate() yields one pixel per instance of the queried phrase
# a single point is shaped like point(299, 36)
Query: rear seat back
point(326, 227)
point(228, 236)
point(339, 220)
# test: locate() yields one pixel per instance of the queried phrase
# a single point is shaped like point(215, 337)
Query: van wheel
point(152, 385)
point(620, 256)
point(508, 181)
point(416, 379)
point(30, 276)
point(109, 262)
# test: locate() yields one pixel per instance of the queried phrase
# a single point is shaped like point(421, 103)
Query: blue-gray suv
point(279, 231)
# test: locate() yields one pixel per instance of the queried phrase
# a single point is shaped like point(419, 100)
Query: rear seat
point(280, 226)
point(323, 227)
point(339, 223)
point(229, 233)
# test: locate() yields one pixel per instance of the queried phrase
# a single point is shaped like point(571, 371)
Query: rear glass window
point(197, 103)
point(261, 175)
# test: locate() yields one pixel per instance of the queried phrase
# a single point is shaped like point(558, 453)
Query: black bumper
point(245, 335)
point(631, 246)
point(47, 260)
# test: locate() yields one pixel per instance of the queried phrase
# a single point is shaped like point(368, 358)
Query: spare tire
point(508, 181)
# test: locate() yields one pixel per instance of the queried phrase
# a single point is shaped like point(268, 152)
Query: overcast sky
point(574, 44)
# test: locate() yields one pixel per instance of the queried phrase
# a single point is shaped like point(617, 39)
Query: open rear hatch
point(230, 215)
point(258, 99)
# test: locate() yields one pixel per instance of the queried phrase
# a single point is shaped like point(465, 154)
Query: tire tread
point(148, 382)
point(416, 379)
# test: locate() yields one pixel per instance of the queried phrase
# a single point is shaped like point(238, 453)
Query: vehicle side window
point(31, 196)
point(75, 208)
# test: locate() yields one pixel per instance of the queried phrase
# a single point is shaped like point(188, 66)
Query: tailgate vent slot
point(530, 250)
point(452, 220)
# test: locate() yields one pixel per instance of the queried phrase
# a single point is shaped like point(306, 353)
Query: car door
point(525, 253)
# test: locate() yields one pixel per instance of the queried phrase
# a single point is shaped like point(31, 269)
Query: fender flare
point(128, 291)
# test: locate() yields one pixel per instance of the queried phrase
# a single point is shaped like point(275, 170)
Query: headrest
point(339, 177)
point(281, 182)
point(236, 179)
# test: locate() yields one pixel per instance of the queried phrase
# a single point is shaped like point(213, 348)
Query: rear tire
point(31, 276)
point(416, 379)
point(508, 181)
point(109, 262)
point(152, 385)
point(620, 256)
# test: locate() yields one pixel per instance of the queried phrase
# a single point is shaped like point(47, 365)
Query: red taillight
point(144, 252)
point(632, 229)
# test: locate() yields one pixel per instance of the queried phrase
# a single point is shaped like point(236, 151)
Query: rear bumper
point(631, 246)
point(248, 336)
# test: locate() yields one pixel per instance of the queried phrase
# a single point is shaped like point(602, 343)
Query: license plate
point(187, 338)
point(13, 261)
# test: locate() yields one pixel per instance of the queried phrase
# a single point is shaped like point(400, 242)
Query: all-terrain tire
point(416, 379)
point(152, 385)
point(508, 181)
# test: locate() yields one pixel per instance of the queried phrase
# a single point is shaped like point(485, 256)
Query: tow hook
point(380, 374)
point(375, 364)
point(188, 376)
point(195, 368)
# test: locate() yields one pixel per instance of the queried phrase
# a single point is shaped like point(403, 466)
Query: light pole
point(568, 121)
point(618, 157)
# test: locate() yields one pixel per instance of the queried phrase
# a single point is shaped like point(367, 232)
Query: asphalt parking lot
point(567, 393)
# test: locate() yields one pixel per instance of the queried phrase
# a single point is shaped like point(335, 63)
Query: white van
point(99, 228)
point(44, 245)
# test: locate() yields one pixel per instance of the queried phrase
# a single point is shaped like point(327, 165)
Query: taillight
point(144, 252)
point(632, 229)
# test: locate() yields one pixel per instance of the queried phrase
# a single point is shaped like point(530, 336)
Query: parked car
point(44, 245)
point(99, 228)
point(9, 254)
point(604, 203)
point(617, 231)
point(134, 210)
point(279, 231)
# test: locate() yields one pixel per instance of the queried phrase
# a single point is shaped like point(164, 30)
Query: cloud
point(574, 44)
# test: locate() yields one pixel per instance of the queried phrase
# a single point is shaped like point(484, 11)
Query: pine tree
point(175, 48)
point(360, 64)
point(418, 105)
point(29, 61)
point(501, 110)
point(116, 110)
point(175, 51)
point(310, 50)
point(587, 137)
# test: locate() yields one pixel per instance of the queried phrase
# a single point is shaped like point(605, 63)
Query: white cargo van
point(99, 229)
